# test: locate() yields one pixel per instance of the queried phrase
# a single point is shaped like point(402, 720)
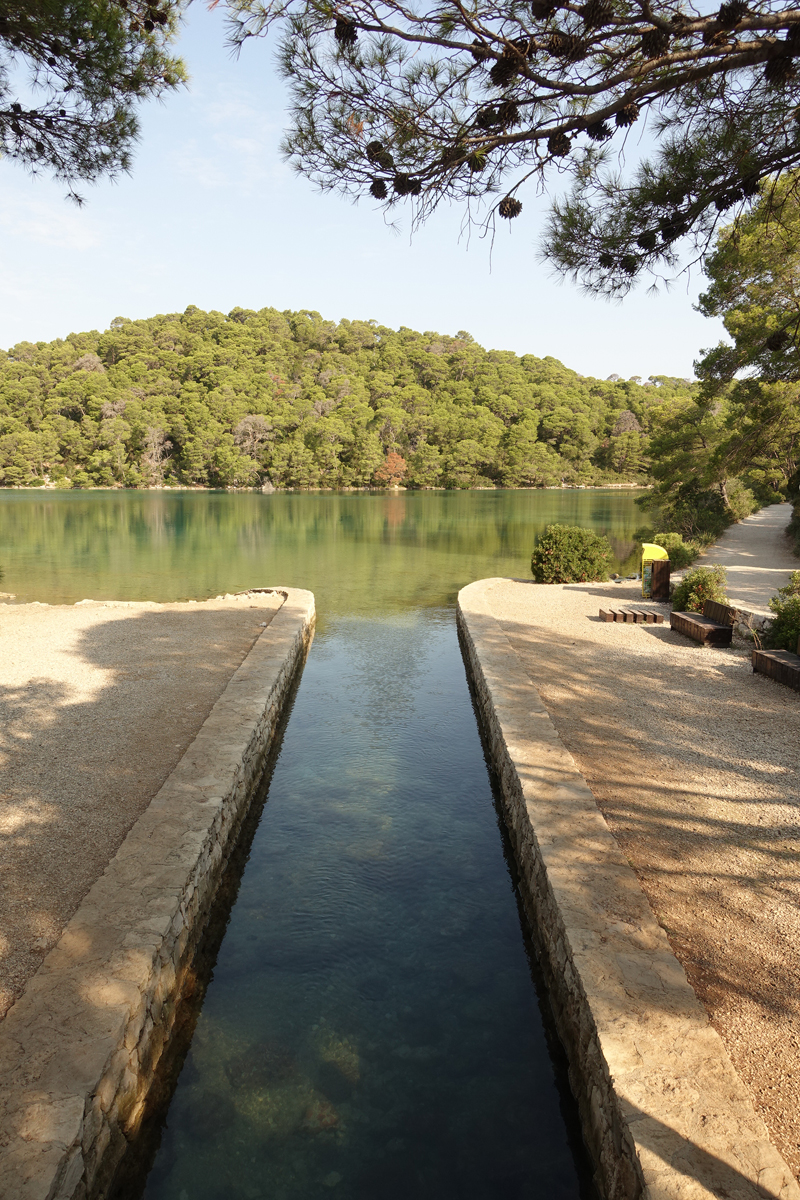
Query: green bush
point(785, 630)
point(570, 554)
point(680, 553)
point(698, 585)
point(793, 528)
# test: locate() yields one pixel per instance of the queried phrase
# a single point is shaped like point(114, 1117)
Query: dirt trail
point(757, 556)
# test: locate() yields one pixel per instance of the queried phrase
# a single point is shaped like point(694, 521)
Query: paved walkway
point(98, 702)
point(757, 556)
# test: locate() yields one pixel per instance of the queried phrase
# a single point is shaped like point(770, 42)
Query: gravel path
point(98, 702)
point(757, 556)
point(693, 761)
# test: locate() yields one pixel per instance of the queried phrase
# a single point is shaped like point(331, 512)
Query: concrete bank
point(664, 1113)
point(78, 1049)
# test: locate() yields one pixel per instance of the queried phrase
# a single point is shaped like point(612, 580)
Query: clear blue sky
point(212, 216)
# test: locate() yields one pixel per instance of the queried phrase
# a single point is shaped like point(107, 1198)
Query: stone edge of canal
point(79, 1049)
point(663, 1111)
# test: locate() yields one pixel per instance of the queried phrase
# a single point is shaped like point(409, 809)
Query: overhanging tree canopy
point(743, 425)
point(405, 99)
point(71, 74)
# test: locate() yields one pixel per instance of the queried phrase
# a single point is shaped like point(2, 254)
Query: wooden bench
point(780, 665)
point(712, 627)
point(633, 616)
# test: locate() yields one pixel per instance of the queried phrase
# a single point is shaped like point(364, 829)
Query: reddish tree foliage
point(392, 471)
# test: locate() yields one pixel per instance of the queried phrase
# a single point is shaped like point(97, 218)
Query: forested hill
point(202, 398)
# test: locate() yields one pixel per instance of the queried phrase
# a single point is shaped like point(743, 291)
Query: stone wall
point(749, 621)
point(665, 1117)
point(79, 1048)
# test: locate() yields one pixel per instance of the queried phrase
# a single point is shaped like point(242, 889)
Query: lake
point(374, 1025)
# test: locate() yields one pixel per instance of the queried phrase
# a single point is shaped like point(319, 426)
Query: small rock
point(262, 625)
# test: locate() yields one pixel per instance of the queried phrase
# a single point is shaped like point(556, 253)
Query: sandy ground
point(693, 760)
point(757, 556)
point(98, 702)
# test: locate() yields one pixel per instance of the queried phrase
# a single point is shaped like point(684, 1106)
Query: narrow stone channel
point(371, 1028)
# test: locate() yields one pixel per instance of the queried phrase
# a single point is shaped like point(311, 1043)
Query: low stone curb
point(664, 1114)
point(747, 621)
point(78, 1049)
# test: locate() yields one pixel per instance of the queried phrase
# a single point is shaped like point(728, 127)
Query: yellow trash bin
point(650, 554)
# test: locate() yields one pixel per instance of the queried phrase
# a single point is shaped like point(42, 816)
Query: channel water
point(374, 1027)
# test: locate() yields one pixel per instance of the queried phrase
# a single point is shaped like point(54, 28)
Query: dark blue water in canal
point(372, 1029)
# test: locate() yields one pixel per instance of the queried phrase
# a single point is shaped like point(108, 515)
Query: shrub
point(698, 585)
point(570, 554)
point(793, 528)
point(680, 553)
point(785, 630)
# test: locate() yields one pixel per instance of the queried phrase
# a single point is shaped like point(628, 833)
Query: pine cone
point(714, 36)
point(508, 114)
point(777, 340)
point(596, 13)
point(558, 145)
point(526, 46)
point(542, 10)
point(402, 184)
point(629, 264)
point(751, 185)
point(373, 150)
point(384, 160)
point(345, 32)
point(627, 114)
point(599, 131)
point(378, 189)
point(647, 240)
point(605, 259)
point(479, 52)
point(655, 43)
point(566, 45)
point(731, 13)
point(505, 69)
point(452, 155)
point(779, 70)
point(486, 118)
point(673, 228)
point(509, 207)
point(793, 37)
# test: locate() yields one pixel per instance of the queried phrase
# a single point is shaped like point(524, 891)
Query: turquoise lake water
point(373, 1027)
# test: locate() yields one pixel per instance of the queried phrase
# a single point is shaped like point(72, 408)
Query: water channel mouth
point(371, 1028)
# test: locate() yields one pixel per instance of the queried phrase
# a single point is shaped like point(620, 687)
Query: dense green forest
point(292, 400)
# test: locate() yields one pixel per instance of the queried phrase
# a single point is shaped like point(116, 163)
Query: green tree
point(755, 289)
point(401, 102)
point(229, 400)
point(71, 77)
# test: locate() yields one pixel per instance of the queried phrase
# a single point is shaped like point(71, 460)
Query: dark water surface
point(371, 1030)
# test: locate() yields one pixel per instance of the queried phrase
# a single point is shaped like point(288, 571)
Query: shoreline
point(274, 491)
